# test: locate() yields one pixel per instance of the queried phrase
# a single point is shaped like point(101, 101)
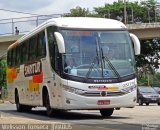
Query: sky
point(47, 6)
point(41, 7)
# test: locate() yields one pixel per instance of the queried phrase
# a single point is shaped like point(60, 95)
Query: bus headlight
point(129, 89)
point(74, 90)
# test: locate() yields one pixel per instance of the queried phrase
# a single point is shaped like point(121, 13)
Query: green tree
point(151, 80)
point(3, 73)
point(81, 12)
point(148, 61)
point(149, 7)
point(149, 54)
point(155, 80)
point(136, 12)
point(78, 12)
point(143, 81)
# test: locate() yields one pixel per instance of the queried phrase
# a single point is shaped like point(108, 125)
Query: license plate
point(154, 99)
point(103, 102)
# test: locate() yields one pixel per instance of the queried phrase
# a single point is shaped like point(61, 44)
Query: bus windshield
point(98, 54)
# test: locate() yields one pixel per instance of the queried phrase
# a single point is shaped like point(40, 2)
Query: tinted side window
point(28, 50)
point(18, 50)
point(14, 57)
point(24, 52)
point(33, 48)
point(41, 52)
point(9, 58)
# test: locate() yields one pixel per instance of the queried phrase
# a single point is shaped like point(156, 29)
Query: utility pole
point(149, 15)
point(148, 80)
point(108, 13)
point(157, 8)
point(132, 17)
point(155, 14)
point(125, 13)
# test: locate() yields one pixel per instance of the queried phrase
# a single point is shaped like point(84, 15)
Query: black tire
point(158, 103)
point(147, 104)
point(27, 108)
point(140, 102)
point(19, 106)
point(106, 112)
point(49, 110)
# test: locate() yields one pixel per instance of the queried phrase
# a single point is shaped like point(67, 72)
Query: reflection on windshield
point(147, 90)
point(97, 54)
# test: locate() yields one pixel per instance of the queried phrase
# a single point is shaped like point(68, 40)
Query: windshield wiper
point(91, 67)
point(105, 58)
point(97, 56)
point(94, 60)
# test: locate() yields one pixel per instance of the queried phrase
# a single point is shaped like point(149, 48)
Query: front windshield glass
point(98, 54)
point(147, 90)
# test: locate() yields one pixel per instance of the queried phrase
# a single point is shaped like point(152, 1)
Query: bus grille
point(103, 93)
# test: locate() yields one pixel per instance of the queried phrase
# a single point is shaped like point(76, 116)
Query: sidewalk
point(1, 101)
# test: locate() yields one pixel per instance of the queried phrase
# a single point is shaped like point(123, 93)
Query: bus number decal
point(34, 68)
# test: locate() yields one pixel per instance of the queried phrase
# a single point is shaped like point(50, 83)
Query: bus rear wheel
point(106, 112)
point(18, 105)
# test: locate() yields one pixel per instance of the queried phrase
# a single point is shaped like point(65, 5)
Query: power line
point(17, 12)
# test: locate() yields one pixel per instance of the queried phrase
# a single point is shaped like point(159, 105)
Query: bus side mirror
point(136, 42)
point(60, 42)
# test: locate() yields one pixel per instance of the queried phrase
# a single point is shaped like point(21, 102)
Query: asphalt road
point(138, 118)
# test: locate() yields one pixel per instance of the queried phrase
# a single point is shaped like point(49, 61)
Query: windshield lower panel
point(98, 54)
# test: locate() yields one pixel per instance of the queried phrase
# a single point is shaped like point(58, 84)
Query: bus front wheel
point(106, 112)
point(49, 110)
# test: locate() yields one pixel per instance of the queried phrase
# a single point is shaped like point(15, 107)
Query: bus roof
point(87, 22)
point(74, 22)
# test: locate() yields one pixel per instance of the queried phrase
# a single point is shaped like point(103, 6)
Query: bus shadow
point(62, 116)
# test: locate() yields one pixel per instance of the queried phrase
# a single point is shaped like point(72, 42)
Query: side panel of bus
point(28, 70)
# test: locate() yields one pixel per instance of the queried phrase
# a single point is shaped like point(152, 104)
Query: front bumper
point(73, 101)
point(151, 100)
